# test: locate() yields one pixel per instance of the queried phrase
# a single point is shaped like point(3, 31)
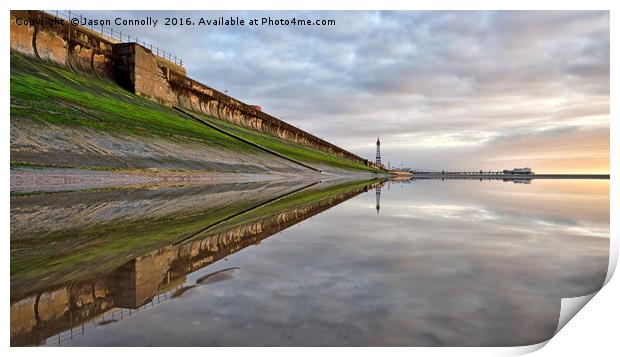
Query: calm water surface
point(422, 263)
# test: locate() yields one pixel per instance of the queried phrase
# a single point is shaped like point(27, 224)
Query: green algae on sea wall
point(48, 94)
point(54, 95)
point(286, 148)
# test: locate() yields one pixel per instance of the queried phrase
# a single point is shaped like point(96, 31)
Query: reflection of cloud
point(594, 232)
point(562, 208)
point(437, 211)
point(464, 263)
point(517, 221)
point(479, 85)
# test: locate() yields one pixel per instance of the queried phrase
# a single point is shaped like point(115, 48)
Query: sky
point(469, 90)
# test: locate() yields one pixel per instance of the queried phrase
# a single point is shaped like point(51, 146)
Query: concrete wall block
point(150, 80)
point(21, 38)
point(51, 46)
point(80, 57)
point(53, 304)
point(23, 318)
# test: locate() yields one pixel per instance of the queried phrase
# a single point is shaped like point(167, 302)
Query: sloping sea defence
point(73, 124)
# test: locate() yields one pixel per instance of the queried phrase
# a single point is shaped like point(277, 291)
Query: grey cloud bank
point(462, 90)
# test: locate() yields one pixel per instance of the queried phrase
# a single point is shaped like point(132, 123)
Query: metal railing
point(116, 36)
point(113, 315)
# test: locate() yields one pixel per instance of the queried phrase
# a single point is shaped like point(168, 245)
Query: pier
point(500, 175)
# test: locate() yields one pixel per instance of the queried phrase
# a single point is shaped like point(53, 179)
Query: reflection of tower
point(378, 162)
point(378, 194)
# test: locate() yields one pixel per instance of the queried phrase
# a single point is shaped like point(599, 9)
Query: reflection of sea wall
point(40, 315)
point(90, 233)
point(204, 250)
point(45, 313)
point(34, 215)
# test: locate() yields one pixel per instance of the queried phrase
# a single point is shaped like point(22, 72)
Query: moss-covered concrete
point(62, 118)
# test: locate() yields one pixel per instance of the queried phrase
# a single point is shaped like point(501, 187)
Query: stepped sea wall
point(43, 36)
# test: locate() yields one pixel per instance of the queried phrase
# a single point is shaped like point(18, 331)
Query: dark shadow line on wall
point(246, 141)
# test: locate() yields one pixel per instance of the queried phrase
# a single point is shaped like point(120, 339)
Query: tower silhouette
point(378, 161)
point(378, 195)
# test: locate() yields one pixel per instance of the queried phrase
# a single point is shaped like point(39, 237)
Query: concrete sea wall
point(40, 35)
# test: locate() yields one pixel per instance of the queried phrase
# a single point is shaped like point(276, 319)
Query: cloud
point(461, 85)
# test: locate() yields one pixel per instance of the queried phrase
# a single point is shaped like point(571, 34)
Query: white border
point(592, 330)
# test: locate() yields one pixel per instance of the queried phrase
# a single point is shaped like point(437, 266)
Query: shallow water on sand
point(416, 263)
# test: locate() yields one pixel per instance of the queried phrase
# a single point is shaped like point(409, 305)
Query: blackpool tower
point(378, 162)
